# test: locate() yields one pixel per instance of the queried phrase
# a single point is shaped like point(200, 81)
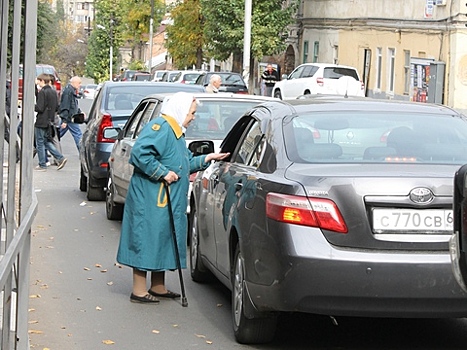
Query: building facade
point(408, 50)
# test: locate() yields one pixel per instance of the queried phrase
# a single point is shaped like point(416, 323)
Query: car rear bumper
point(310, 275)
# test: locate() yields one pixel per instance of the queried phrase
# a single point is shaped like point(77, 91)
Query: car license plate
point(412, 220)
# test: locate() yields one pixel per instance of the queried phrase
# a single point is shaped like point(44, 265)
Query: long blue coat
point(146, 240)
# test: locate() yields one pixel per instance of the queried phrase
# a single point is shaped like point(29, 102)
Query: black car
point(112, 107)
point(333, 206)
point(231, 82)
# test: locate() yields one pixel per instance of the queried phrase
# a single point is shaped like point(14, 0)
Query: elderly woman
point(159, 154)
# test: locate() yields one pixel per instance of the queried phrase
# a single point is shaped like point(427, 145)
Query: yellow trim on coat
point(162, 200)
point(174, 125)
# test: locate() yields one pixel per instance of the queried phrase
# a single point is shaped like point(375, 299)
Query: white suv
point(320, 78)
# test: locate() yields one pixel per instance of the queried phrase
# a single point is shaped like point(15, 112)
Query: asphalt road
point(79, 296)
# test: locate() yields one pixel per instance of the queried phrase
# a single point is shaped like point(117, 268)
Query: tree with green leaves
point(224, 27)
point(186, 37)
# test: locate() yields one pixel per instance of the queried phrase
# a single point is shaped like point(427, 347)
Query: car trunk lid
point(409, 207)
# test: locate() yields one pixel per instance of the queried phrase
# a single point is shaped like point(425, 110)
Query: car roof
point(219, 96)
point(326, 65)
point(323, 103)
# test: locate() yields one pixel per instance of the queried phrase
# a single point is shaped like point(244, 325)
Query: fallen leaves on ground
point(155, 331)
point(108, 342)
point(34, 331)
point(98, 308)
point(33, 296)
point(86, 269)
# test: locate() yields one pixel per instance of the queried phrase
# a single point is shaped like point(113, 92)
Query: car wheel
point(277, 94)
point(94, 193)
point(83, 181)
point(113, 210)
point(253, 330)
point(198, 271)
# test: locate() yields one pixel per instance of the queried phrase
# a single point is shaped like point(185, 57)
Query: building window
point(315, 51)
point(391, 69)
point(305, 51)
point(335, 53)
point(406, 72)
point(379, 67)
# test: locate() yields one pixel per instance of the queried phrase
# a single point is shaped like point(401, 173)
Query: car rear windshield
point(375, 137)
point(215, 118)
point(231, 79)
point(127, 97)
point(338, 72)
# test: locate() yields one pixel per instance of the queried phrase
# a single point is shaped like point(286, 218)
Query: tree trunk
point(237, 64)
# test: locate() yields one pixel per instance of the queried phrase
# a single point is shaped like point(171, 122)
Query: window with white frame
point(315, 51)
point(391, 69)
point(406, 72)
point(379, 67)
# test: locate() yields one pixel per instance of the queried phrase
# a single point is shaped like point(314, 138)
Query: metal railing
point(18, 203)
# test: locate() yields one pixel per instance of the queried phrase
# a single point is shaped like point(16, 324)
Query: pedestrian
point(269, 76)
point(55, 132)
point(46, 107)
point(159, 155)
point(214, 83)
point(68, 108)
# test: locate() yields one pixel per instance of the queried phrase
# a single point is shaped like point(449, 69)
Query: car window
point(191, 77)
point(309, 71)
point(297, 72)
point(338, 72)
point(231, 79)
point(148, 114)
point(249, 144)
point(133, 123)
point(362, 137)
point(215, 118)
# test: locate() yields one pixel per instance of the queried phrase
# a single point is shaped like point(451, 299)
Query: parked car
point(187, 76)
point(231, 82)
point(112, 106)
point(89, 90)
point(157, 76)
point(141, 77)
point(333, 206)
point(128, 74)
point(40, 68)
point(215, 115)
point(319, 78)
point(169, 76)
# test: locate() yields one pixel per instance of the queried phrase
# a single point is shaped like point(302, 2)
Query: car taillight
point(320, 81)
point(315, 212)
point(363, 85)
point(106, 122)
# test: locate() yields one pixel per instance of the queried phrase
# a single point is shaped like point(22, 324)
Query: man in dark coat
point(269, 76)
point(46, 106)
point(68, 108)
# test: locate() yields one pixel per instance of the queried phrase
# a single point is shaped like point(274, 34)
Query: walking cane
point(177, 253)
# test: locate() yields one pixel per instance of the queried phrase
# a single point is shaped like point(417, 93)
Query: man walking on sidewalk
point(68, 108)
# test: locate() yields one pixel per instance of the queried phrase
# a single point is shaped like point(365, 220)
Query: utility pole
point(151, 33)
point(247, 40)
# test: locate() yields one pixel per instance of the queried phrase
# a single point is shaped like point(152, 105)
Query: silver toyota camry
point(334, 206)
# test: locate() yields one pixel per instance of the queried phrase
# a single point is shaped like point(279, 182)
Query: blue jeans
point(43, 143)
point(75, 131)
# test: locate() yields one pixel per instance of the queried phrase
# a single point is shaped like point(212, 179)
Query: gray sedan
point(215, 115)
point(333, 206)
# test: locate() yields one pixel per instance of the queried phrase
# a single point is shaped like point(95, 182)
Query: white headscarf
point(177, 106)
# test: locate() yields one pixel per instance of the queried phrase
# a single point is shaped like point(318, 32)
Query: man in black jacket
point(269, 76)
point(68, 108)
point(46, 106)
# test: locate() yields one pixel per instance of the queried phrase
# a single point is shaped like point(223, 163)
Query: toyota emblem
point(421, 195)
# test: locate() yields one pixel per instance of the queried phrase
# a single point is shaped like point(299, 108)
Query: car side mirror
point(201, 147)
point(458, 241)
point(111, 133)
point(284, 76)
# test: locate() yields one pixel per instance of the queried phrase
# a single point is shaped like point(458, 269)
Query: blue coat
point(146, 241)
